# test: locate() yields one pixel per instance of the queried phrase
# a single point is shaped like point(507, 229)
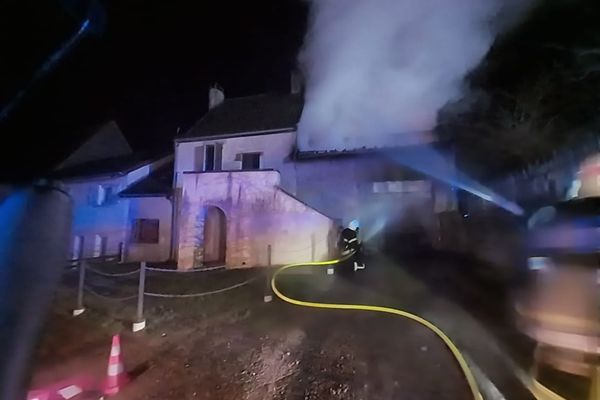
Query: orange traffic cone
point(38, 395)
point(115, 374)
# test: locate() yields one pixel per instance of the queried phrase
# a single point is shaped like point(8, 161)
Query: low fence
point(135, 279)
point(130, 281)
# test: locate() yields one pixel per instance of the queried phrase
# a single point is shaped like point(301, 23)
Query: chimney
point(216, 95)
point(296, 82)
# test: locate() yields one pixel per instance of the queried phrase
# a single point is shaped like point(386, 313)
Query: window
point(380, 187)
point(401, 187)
point(209, 157)
point(77, 251)
point(250, 161)
point(101, 195)
point(99, 246)
point(145, 231)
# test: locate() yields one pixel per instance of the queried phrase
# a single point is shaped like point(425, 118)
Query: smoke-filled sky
point(378, 71)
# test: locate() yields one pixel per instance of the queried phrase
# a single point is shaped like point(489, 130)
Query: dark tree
point(537, 91)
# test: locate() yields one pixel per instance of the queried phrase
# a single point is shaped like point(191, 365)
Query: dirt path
point(475, 313)
point(236, 347)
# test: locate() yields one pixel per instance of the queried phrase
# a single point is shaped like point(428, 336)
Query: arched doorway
point(215, 234)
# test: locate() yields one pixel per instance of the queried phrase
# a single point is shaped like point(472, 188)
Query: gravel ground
point(234, 346)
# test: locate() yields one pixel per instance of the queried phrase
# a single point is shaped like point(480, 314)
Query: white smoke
point(378, 71)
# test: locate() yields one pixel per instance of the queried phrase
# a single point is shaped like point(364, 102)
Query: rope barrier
point(165, 295)
point(92, 291)
point(97, 259)
point(154, 269)
point(111, 275)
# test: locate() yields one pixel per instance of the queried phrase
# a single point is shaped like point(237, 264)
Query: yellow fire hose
point(539, 391)
point(360, 307)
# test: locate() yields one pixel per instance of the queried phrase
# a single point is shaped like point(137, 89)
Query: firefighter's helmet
point(354, 225)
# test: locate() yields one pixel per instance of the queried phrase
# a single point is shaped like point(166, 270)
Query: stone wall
point(387, 199)
point(259, 215)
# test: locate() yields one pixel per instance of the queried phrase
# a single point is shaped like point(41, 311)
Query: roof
point(157, 183)
point(396, 150)
point(261, 113)
point(105, 167)
point(106, 141)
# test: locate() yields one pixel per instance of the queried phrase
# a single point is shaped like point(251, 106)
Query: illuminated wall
point(156, 208)
point(257, 215)
point(107, 221)
point(275, 150)
point(342, 188)
point(102, 219)
point(385, 198)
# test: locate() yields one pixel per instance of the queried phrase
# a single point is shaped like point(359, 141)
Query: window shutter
point(218, 156)
point(135, 231)
point(199, 158)
point(209, 157)
point(100, 195)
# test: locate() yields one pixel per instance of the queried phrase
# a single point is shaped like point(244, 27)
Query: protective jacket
point(349, 241)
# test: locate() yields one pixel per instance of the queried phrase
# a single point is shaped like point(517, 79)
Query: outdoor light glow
point(375, 228)
point(431, 162)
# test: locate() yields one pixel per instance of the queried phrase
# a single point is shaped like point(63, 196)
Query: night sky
point(149, 70)
point(151, 67)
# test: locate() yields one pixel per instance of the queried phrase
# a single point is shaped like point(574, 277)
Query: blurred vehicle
point(561, 307)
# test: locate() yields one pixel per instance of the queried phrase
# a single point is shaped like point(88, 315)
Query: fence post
point(268, 297)
point(80, 308)
point(312, 247)
point(121, 252)
point(269, 255)
point(330, 269)
point(140, 322)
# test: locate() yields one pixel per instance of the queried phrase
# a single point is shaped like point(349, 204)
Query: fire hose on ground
point(539, 391)
point(364, 307)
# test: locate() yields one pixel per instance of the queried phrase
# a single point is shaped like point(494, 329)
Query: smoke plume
point(378, 71)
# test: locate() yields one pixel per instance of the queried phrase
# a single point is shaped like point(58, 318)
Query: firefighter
point(350, 244)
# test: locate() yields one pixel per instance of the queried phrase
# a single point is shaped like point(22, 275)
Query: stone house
point(150, 214)
point(239, 193)
point(234, 188)
point(244, 195)
point(133, 228)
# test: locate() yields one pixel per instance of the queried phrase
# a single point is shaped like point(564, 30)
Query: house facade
point(235, 188)
point(244, 195)
point(150, 213)
point(105, 224)
point(237, 192)
point(394, 204)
